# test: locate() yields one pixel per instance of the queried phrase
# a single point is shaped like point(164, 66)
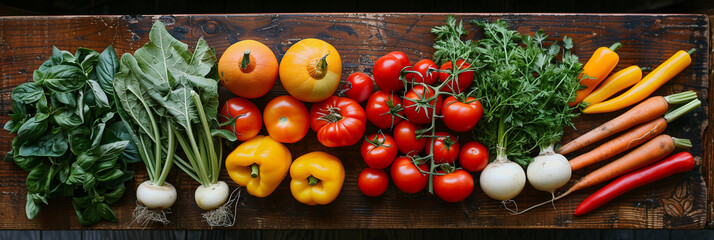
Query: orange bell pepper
point(596, 69)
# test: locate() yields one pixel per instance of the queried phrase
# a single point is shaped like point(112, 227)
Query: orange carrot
point(652, 151)
point(632, 137)
point(646, 111)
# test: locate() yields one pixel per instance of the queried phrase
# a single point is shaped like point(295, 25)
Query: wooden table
point(676, 202)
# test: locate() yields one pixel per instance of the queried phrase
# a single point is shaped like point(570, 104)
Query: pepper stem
point(615, 46)
point(246, 59)
point(322, 63)
point(691, 51)
point(312, 180)
point(254, 170)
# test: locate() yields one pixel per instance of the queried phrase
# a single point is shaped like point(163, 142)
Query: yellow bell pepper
point(259, 164)
point(317, 178)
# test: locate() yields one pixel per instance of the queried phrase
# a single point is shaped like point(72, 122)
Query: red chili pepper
point(677, 163)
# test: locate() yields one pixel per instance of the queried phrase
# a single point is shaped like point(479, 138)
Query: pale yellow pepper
point(317, 178)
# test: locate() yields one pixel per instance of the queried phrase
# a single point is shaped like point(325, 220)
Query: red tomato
point(384, 109)
point(447, 148)
point(338, 121)
point(379, 150)
point(454, 187)
point(464, 78)
point(286, 119)
point(373, 182)
point(461, 116)
point(416, 107)
point(426, 70)
point(387, 71)
point(473, 156)
point(407, 177)
point(403, 59)
point(358, 86)
point(405, 136)
point(248, 120)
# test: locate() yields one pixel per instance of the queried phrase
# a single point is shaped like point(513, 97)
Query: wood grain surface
point(679, 201)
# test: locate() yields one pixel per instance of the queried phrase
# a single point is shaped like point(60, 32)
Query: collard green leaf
point(107, 67)
point(64, 78)
point(28, 92)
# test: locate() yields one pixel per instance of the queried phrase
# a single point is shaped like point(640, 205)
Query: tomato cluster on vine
point(410, 100)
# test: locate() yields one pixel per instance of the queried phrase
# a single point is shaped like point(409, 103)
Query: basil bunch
point(69, 136)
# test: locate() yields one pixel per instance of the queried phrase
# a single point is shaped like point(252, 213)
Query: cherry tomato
point(405, 136)
point(426, 72)
point(416, 107)
point(454, 187)
point(286, 119)
point(248, 120)
point(447, 148)
point(379, 150)
point(407, 177)
point(386, 71)
point(464, 78)
point(403, 59)
point(373, 182)
point(338, 121)
point(461, 116)
point(473, 156)
point(358, 86)
point(384, 109)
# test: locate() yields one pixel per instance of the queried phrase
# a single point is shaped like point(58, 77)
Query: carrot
point(652, 151)
point(631, 138)
point(646, 111)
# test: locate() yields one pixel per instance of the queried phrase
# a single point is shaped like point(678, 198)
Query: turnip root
point(549, 171)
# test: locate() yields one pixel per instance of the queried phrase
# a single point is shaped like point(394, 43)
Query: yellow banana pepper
point(259, 164)
point(655, 79)
point(616, 82)
point(317, 178)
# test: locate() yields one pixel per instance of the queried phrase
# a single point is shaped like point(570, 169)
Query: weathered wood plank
point(676, 202)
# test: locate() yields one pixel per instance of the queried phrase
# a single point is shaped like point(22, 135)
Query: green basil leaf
point(56, 56)
point(9, 156)
point(42, 106)
point(32, 208)
point(64, 78)
point(91, 215)
point(76, 175)
point(110, 175)
point(118, 132)
point(28, 92)
point(107, 67)
point(114, 195)
point(86, 58)
point(99, 96)
point(106, 212)
point(27, 163)
point(79, 110)
point(89, 181)
point(19, 111)
point(67, 98)
point(97, 134)
point(67, 119)
point(31, 129)
point(112, 150)
point(49, 145)
point(63, 173)
point(85, 160)
point(104, 165)
point(9, 125)
point(225, 134)
point(82, 202)
point(37, 179)
point(80, 139)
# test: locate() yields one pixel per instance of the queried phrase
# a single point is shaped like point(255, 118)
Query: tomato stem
point(246, 59)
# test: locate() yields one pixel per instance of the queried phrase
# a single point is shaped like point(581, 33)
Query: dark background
point(132, 7)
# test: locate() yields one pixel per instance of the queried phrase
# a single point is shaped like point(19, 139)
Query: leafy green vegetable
point(62, 140)
point(523, 86)
point(169, 94)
